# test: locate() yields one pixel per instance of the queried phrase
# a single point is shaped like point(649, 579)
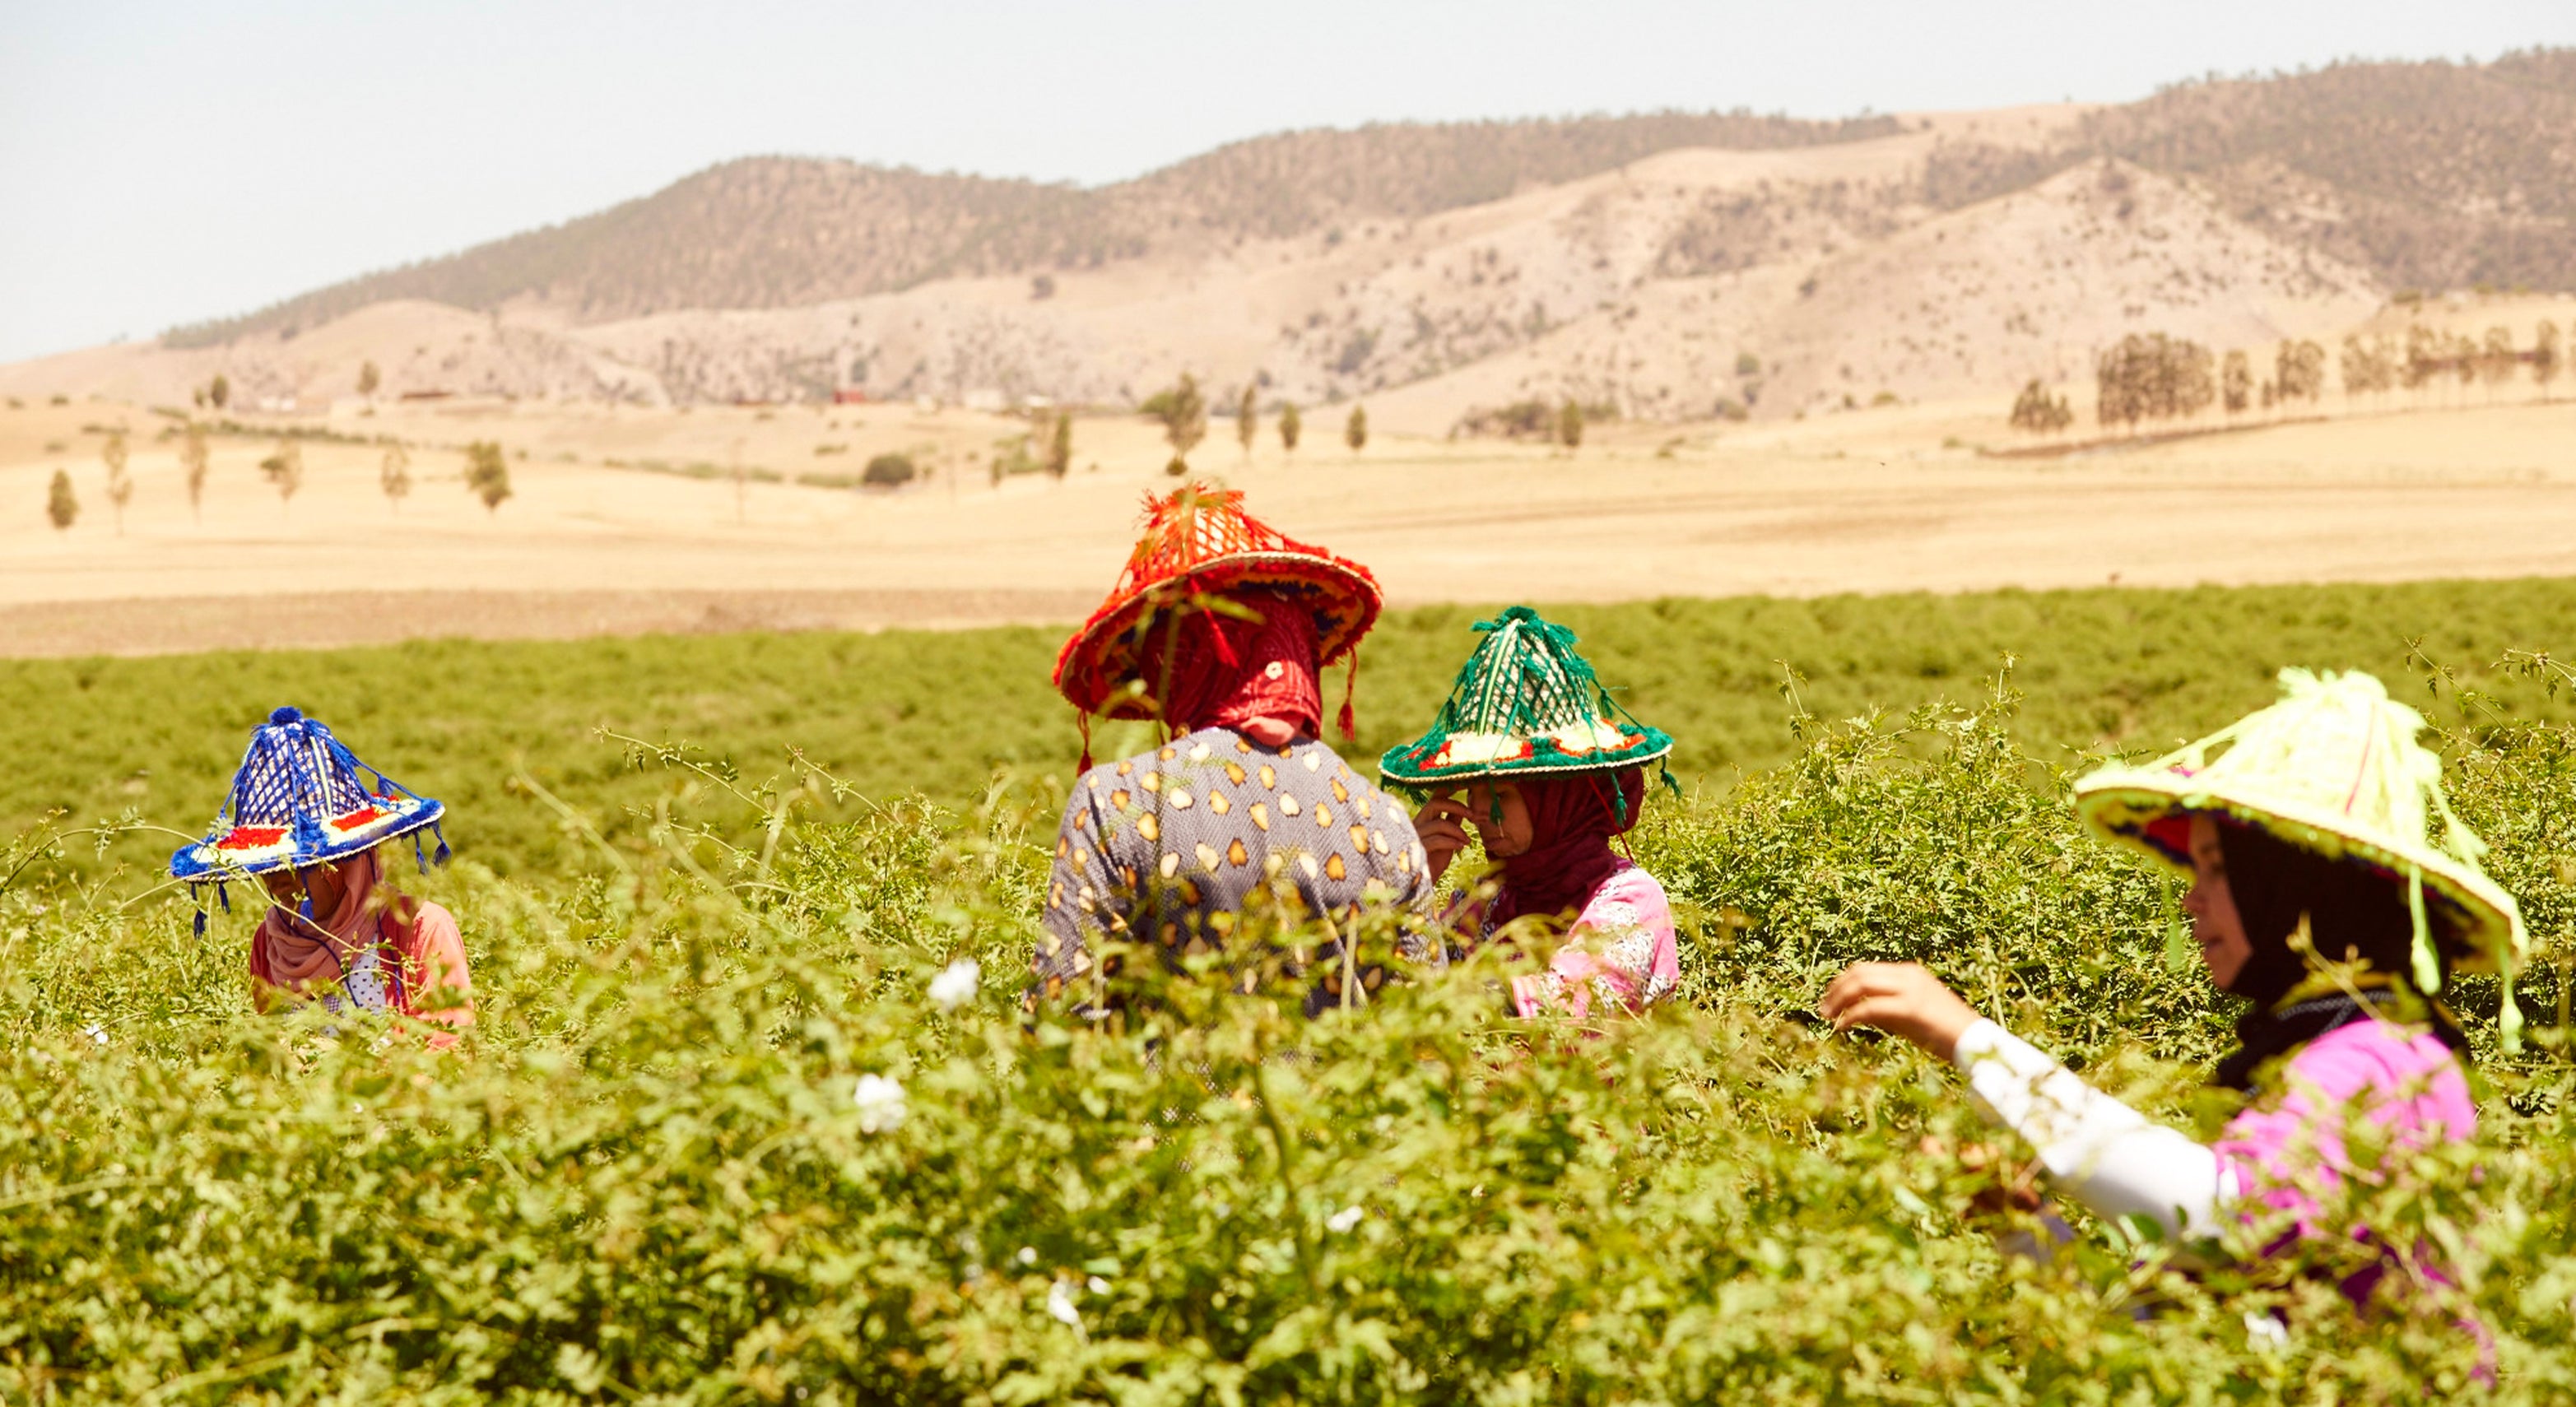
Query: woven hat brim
point(1412, 765)
point(2121, 805)
point(234, 855)
point(1104, 653)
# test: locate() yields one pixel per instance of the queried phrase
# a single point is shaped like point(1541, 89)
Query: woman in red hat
point(1219, 629)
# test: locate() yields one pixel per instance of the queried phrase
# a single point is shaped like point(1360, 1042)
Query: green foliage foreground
point(648, 1178)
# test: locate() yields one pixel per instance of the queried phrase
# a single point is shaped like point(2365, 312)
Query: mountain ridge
point(779, 231)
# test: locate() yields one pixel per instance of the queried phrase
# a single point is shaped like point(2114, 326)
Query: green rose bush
point(753, 1113)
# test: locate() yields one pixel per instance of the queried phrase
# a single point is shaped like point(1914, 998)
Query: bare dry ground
point(1891, 499)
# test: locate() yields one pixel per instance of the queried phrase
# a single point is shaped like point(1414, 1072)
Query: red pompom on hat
point(1199, 543)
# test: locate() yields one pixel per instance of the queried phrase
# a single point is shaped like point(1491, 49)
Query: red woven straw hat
point(1199, 541)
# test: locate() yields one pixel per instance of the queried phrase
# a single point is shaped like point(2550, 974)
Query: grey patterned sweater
point(1169, 846)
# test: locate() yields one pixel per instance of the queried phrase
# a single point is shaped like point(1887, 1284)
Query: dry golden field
point(1893, 499)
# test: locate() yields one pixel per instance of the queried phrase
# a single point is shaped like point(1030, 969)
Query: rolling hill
point(1668, 266)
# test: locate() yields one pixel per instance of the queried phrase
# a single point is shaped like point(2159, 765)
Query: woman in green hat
point(1533, 754)
point(2308, 842)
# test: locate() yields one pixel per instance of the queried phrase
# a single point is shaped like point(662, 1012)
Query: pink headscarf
point(318, 950)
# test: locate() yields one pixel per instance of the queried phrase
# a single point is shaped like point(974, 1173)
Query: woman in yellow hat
point(2320, 898)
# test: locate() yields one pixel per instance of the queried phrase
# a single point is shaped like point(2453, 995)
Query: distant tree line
point(2152, 377)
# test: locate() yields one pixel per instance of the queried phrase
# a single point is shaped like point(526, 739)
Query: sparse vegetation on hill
point(2431, 175)
point(2230, 212)
point(775, 232)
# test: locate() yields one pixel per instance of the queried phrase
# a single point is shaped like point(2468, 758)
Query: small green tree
point(394, 477)
point(192, 458)
point(369, 378)
point(61, 507)
point(1059, 460)
point(487, 474)
point(120, 485)
point(2544, 357)
point(1355, 430)
point(2496, 359)
point(1569, 426)
point(1291, 425)
point(219, 391)
point(1247, 421)
point(2423, 360)
point(285, 470)
point(1183, 411)
point(2299, 371)
point(2038, 412)
point(2369, 365)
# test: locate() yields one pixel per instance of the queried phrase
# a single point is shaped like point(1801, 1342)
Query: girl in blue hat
point(304, 822)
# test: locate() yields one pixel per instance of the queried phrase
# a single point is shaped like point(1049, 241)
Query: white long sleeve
point(2105, 1154)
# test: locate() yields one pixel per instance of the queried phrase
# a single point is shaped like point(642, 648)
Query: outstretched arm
point(2106, 1156)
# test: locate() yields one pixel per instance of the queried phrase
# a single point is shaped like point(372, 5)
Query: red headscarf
point(1255, 676)
point(1572, 817)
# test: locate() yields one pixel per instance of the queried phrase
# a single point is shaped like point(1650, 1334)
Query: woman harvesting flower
point(1531, 751)
point(1218, 630)
point(302, 820)
point(2321, 899)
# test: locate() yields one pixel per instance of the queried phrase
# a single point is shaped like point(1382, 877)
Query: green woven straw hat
point(1526, 702)
point(2333, 768)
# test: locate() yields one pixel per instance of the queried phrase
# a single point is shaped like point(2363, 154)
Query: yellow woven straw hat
point(2334, 767)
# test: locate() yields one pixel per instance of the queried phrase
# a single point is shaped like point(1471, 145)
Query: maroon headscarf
point(1255, 676)
point(1572, 815)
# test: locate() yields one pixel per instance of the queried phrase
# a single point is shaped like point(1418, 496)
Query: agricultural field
point(648, 1176)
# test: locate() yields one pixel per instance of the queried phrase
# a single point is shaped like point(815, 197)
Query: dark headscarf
point(1572, 815)
point(2353, 911)
point(1231, 672)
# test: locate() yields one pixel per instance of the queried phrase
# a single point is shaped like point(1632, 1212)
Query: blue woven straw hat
point(301, 798)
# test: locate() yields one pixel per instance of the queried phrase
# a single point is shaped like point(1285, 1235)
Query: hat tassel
point(1347, 720)
point(1082, 720)
point(2508, 1015)
point(2428, 971)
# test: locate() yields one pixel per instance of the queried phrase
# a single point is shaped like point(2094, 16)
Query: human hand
point(2005, 1183)
point(1442, 829)
point(1902, 999)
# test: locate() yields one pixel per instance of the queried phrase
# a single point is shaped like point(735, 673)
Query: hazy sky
point(163, 162)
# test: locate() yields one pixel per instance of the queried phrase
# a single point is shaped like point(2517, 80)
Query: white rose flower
point(1344, 1219)
point(96, 1032)
point(880, 1102)
point(1060, 1304)
point(956, 983)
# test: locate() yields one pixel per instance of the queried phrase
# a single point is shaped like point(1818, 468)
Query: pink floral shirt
point(1620, 951)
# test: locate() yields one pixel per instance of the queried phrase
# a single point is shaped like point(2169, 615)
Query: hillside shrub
point(888, 471)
